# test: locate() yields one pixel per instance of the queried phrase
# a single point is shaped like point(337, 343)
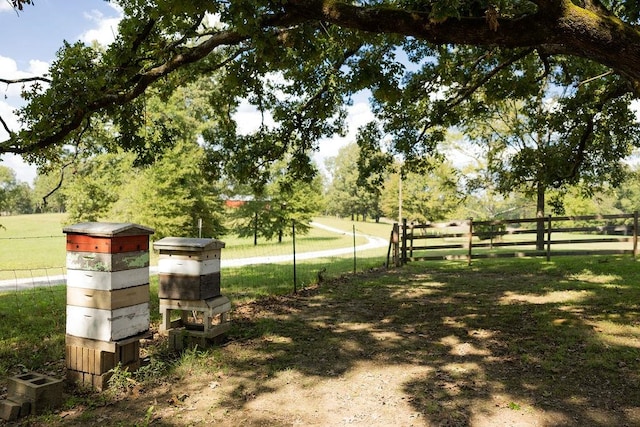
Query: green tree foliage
point(95, 186)
point(164, 184)
point(567, 129)
point(427, 197)
point(171, 196)
point(347, 195)
point(15, 196)
point(283, 202)
point(47, 195)
point(301, 61)
point(628, 194)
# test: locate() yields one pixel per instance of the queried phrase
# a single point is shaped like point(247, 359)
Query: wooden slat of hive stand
point(89, 362)
point(210, 309)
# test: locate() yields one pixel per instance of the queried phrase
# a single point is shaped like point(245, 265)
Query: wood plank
point(198, 305)
point(107, 281)
point(197, 256)
point(84, 362)
point(96, 261)
point(107, 300)
point(188, 267)
point(180, 287)
point(117, 244)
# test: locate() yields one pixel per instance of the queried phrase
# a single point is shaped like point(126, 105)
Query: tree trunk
point(540, 215)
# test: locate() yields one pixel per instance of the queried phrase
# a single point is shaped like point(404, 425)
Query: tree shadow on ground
point(538, 344)
point(545, 340)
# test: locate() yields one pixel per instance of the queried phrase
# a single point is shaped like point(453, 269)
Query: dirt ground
point(391, 349)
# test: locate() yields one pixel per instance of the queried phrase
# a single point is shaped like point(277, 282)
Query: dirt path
point(445, 347)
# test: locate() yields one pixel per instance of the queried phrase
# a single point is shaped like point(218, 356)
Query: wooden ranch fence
point(467, 240)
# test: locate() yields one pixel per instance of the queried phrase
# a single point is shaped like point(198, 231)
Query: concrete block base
point(30, 393)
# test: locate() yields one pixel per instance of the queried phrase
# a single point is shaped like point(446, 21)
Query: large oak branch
point(558, 27)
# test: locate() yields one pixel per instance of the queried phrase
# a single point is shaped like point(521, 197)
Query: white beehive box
point(107, 325)
point(107, 280)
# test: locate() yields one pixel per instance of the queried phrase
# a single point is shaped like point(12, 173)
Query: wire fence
point(247, 271)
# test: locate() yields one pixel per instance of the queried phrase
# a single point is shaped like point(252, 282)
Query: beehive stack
point(189, 282)
point(107, 299)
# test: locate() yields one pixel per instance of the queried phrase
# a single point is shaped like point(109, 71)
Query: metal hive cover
point(108, 229)
point(187, 244)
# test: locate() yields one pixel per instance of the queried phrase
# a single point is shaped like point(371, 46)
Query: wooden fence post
point(404, 241)
point(491, 236)
point(470, 241)
point(411, 244)
point(394, 242)
point(635, 234)
point(549, 238)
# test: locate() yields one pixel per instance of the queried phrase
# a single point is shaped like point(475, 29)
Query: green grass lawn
point(32, 241)
point(36, 242)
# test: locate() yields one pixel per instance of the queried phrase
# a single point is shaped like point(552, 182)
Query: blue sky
point(38, 31)
point(31, 38)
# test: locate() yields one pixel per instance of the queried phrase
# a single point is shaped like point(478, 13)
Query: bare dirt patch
point(440, 348)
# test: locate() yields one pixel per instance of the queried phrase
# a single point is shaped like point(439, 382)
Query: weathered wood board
point(181, 287)
point(187, 266)
point(109, 245)
point(95, 261)
point(107, 300)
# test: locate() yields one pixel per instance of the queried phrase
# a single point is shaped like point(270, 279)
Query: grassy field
point(520, 340)
point(36, 242)
point(32, 241)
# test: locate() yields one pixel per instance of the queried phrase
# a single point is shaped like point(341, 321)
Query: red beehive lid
point(107, 237)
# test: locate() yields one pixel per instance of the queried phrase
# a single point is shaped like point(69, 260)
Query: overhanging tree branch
point(25, 80)
point(6, 128)
point(555, 27)
point(143, 81)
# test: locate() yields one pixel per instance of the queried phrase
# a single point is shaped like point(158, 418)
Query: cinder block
point(9, 410)
point(25, 405)
point(42, 391)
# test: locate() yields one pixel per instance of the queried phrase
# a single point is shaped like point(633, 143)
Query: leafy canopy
point(427, 64)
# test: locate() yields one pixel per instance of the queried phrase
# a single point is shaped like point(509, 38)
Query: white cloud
point(11, 120)
point(249, 119)
point(24, 171)
point(106, 27)
point(8, 66)
point(10, 71)
point(359, 114)
point(38, 68)
point(635, 107)
point(5, 6)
